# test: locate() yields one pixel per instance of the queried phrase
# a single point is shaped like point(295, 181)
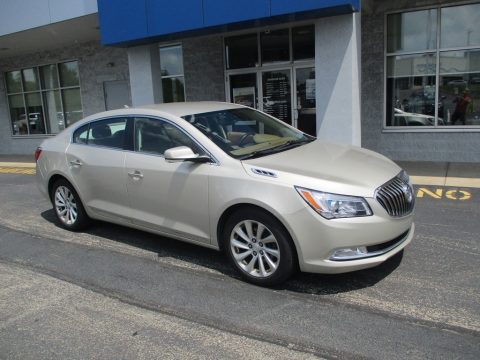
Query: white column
point(337, 73)
point(145, 75)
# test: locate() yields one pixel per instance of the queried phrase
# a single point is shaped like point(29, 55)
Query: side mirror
point(184, 153)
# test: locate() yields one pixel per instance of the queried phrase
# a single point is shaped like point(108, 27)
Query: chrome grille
point(396, 196)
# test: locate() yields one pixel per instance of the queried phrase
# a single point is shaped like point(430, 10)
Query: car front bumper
point(317, 239)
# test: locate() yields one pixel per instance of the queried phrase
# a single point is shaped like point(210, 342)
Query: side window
point(80, 135)
point(155, 136)
point(109, 133)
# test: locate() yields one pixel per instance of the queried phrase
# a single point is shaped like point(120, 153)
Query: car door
point(96, 160)
point(168, 197)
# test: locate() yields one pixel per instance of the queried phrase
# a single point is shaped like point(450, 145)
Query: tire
point(68, 207)
point(259, 247)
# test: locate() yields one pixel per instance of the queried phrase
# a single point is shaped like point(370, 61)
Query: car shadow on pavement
point(164, 247)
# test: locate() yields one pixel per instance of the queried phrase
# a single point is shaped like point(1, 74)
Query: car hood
point(328, 167)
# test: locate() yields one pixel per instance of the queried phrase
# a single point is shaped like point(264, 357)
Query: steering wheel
point(244, 137)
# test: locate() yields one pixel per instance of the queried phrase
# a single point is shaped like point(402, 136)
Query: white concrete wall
point(337, 72)
point(145, 75)
point(19, 15)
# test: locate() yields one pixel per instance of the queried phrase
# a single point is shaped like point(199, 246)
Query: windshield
point(245, 133)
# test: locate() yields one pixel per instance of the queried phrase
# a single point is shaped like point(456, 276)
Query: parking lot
point(422, 304)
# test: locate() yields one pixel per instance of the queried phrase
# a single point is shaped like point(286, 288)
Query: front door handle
point(135, 174)
point(76, 163)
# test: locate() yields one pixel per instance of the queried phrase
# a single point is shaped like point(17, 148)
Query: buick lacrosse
point(231, 178)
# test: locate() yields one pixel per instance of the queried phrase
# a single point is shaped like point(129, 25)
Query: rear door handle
point(76, 163)
point(135, 174)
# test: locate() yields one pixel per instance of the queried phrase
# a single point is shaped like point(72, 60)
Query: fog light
point(349, 253)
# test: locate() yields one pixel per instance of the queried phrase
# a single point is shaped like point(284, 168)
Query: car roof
point(175, 109)
point(189, 108)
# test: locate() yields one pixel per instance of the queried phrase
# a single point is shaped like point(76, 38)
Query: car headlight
point(333, 206)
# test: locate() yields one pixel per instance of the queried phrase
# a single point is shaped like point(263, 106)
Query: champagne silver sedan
point(231, 178)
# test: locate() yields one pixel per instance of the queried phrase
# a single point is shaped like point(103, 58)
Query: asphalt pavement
point(85, 295)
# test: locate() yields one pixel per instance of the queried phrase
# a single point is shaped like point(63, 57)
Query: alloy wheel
point(65, 205)
point(255, 248)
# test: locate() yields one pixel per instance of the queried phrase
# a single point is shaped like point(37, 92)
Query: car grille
point(396, 196)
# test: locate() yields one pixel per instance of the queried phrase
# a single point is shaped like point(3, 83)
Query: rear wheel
point(68, 206)
point(259, 247)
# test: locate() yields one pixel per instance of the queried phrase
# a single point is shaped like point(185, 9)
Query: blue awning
point(126, 22)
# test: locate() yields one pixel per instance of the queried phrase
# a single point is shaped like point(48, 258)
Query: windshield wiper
point(282, 147)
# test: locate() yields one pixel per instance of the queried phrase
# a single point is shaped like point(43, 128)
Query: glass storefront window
point(49, 76)
point(241, 51)
point(173, 80)
point(33, 103)
point(460, 26)
point(411, 90)
point(171, 62)
point(412, 31)
point(173, 89)
point(413, 96)
point(14, 82)
point(275, 46)
point(303, 42)
point(40, 102)
point(18, 115)
point(72, 106)
point(30, 79)
point(69, 74)
point(460, 87)
point(54, 111)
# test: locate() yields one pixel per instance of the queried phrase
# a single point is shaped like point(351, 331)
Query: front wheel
point(259, 247)
point(68, 206)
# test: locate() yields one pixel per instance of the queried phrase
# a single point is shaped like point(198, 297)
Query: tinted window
point(109, 133)
point(275, 46)
point(303, 42)
point(241, 51)
point(155, 136)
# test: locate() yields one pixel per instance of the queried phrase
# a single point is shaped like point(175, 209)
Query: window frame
point(41, 90)
point(129, 143)
point(423, 129)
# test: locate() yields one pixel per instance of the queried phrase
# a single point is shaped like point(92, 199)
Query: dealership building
point(398, 77)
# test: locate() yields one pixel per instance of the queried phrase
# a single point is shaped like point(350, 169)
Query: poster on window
point(244, 96)
point(310, 89)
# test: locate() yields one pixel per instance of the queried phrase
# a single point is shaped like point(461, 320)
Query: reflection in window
point(40, 102)
point(412, 31)
point(460, 26)
point(411, 90)
point(460, 87)
point(18, 115)
point(173, 81)
point(413, 96)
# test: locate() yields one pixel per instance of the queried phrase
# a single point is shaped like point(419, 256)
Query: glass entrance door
point(277, 94)
point(287, 94)
point(243, 89)
point(305, 108)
